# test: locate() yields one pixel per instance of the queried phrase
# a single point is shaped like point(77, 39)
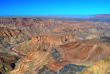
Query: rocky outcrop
point(54, 46)
point(90, 50)
point(11, 36)
point(33, 26)
point(67, 69)
point(44, 41)
point(41, 62)
point(100, 67)
point(30, 26)
point(7, 62)
point(61, 59)
point(32, 62)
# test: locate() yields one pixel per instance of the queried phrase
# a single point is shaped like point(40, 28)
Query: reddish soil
point(16, 51)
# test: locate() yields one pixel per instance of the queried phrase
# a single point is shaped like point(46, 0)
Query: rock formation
point(62, 60)
point(90, 50)
point(43, 41)
point(100, 67)
point(7, 62)
point(49, 46)
point(10, 37)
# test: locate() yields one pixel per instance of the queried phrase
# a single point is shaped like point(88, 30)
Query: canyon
point(50, 46)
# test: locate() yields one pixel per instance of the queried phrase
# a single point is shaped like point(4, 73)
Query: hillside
point(101, 67)
point(54, 60)
point(52, 46)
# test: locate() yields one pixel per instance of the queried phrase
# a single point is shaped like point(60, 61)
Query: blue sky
point(54, 7)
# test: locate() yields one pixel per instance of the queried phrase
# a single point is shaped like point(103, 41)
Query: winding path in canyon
point(13, 50)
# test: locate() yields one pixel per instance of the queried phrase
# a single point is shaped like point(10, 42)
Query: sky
point(54, 7)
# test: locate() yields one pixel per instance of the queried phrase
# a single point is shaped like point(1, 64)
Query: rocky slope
point(30, 26)
point(61, 59)
point(11, 36)
point(41, 62)
point(53, 46)
point(33, 26)
point(90, 50)
point(44, 41)
point(7, 62)
point(86, 29)
point(100, 67)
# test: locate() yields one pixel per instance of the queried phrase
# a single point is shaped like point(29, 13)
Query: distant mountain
point(101, 16)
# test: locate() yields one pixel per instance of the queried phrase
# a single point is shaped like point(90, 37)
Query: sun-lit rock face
point(17, 30)
point(44, 41)
point(100, 67)
point(32, 62)
point(85, 51)
point(11, 36)
point(33, 26)
point(54, 46)
point(66, 58)
point(30, 26)
point(41, 62)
